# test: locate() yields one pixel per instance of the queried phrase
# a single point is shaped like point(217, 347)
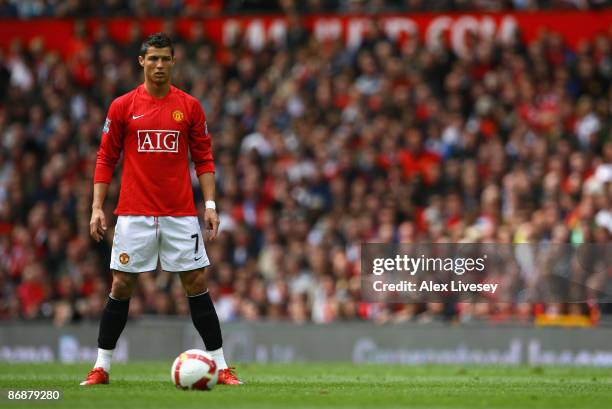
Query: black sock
point(206, 320)
point(113, 321)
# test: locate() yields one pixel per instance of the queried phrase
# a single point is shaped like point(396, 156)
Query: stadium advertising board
point(360, 343)
point(574, 27)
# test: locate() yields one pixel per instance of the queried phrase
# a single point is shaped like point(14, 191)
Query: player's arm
point(200, 146)
point(97, 225)
point(211, 219)
point(108, 155)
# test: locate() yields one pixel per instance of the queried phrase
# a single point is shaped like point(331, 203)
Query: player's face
point(157, 64)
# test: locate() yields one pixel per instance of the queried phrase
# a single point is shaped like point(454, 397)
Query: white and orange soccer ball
point(195, 369)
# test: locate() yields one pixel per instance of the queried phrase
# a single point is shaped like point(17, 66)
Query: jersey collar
point(151, 98)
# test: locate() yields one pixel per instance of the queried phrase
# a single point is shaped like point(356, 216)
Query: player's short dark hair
point(157, 40)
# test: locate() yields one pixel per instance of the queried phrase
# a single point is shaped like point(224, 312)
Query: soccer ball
point(194, 369)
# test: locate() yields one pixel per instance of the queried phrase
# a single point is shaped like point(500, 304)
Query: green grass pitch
point(147, 385)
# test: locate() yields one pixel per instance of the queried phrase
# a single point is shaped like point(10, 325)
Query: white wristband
point(210, 204)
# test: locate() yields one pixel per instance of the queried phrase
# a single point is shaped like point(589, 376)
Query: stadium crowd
point(319, 148)
point(211, 8)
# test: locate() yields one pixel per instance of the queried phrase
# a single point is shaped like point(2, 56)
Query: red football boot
point(228, 377)
point(97, 376)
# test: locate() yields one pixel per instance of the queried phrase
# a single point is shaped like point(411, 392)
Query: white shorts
point(140, 241)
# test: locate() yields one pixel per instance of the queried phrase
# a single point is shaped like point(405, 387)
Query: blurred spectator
point(8, 9)
point(213, 8)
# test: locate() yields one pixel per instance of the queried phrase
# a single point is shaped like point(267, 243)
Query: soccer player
point(155, 126)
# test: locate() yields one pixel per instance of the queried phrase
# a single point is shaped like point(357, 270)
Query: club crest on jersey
point(158, 140)
point(177, 116)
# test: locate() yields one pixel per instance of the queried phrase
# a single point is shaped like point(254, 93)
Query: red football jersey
point(155, 136)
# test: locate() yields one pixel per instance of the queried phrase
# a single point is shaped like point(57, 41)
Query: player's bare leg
point(114, 318)
point(206, 321)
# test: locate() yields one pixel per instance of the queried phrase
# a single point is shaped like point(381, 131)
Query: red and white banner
point(573, 26)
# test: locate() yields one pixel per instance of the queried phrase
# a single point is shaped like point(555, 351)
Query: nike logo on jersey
point(137, 116)
point(197, 258)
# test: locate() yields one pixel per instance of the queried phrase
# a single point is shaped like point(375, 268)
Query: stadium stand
point(318, 148)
